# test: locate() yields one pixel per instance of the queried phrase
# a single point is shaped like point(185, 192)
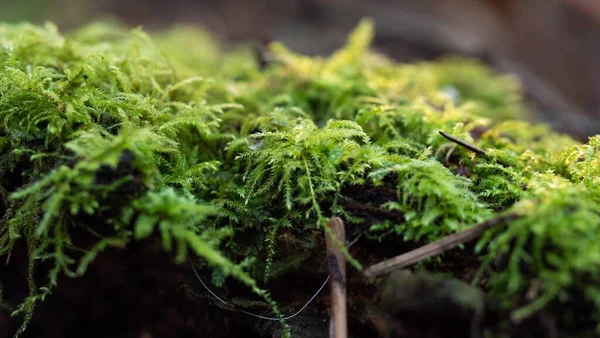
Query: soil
point(140, 291)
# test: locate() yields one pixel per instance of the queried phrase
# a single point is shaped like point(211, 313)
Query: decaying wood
point(337, 269)
point(435, 248)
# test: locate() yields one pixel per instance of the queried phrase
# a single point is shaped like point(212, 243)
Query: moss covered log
point(109, 136)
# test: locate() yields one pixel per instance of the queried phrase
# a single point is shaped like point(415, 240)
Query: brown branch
point(435, 248)
point(337, 269)
point(464, 144)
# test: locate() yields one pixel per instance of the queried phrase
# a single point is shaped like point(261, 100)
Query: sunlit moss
point(130, 136)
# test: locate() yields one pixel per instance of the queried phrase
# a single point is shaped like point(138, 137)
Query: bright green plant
point(126, 137)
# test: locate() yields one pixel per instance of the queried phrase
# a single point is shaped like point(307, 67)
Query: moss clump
point(123, 137)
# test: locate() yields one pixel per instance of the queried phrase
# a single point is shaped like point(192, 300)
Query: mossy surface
point(125, 137)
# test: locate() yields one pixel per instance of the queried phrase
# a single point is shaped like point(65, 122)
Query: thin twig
point(471, 147)
point(464, 144)
point(264, 58)
point(261, 55)
point(435, 248)
point(337, 270)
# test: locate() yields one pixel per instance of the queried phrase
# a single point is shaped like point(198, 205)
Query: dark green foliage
point(111, 135)
point(498, 185)
point(433, 201)
point(101, 141)
point(552, 249)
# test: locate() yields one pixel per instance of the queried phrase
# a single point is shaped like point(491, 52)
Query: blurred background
point(553, 46)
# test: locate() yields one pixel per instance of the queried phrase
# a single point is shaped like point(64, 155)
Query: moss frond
point(552, 249)
point(433, 201)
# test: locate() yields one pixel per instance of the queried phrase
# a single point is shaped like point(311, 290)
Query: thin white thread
point(264, 317)
point(253, 314)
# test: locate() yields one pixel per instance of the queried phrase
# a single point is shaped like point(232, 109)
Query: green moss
point(130, 137)
point(553, 249)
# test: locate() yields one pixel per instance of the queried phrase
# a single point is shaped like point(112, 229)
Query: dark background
point(552, 45)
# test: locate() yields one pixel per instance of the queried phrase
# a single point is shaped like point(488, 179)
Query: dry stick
point(337, 269)
point(471, 147)
point(435, 248)
point(465, 144)
point(261, 55)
